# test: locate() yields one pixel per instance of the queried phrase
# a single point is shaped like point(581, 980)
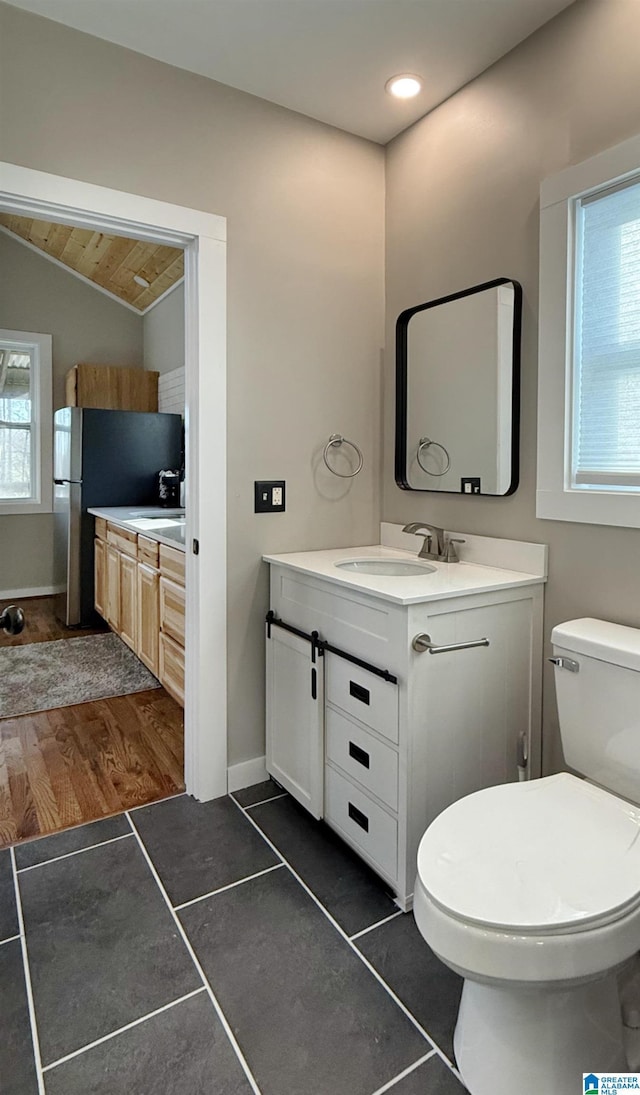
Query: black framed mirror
point(458, 391)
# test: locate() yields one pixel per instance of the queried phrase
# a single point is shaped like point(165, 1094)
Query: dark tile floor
point(177, 949)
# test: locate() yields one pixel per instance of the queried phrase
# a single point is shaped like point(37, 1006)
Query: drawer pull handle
point(358, 754)
point(423, 642)
point(360, 819)
point(359, 693)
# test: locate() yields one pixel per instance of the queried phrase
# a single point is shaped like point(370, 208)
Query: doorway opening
point(151, 568)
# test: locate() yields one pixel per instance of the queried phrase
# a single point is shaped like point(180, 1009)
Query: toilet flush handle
point(566, 663)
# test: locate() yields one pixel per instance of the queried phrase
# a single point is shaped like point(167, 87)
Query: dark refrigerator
point(101, 458)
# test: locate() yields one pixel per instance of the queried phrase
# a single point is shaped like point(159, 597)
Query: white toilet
point(531, 891)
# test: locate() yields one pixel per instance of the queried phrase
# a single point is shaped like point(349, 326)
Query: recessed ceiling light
point(141, 281)
point(404, 86)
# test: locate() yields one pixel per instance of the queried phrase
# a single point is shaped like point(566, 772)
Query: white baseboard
point(34, 591)
point(246, 774)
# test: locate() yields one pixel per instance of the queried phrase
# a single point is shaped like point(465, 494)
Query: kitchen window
point(25, 423)
point(589, 361)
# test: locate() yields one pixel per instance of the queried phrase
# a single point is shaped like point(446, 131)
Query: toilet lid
point(552, 853)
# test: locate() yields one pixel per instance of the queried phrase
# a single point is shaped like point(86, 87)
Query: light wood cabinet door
point(112, 588)
point(99, 573)
point(148, 617)
point(128, 600)
point(112, 387)
point(172, 668)
point(172, 598)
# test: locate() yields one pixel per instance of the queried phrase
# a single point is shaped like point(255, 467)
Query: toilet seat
point(549, 857)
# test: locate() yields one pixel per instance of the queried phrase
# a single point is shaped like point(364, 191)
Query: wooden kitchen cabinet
point(128, 600)
point(112, 388)
point(148, 617)
point(140, 592)
point(172, 563)
point(172, 667)
point(99, 571)
point(172, 621)
point(112, 588)
point(172, 606)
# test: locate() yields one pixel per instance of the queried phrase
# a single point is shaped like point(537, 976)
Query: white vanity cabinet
point(379, 757)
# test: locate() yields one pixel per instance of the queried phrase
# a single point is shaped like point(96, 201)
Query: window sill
point(12, 509)
point(594, 508)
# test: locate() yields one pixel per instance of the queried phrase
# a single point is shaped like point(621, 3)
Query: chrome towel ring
point(337, 440)
point(425, 443)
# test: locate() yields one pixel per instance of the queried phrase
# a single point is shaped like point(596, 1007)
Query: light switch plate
point(269, 496)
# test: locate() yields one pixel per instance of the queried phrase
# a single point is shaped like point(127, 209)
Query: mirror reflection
point(457, 392)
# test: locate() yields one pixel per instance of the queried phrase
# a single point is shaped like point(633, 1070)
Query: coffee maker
point(169, 488)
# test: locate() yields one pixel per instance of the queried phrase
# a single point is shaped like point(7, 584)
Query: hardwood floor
point(77, 764)
point(72, 765)
point(41, 625)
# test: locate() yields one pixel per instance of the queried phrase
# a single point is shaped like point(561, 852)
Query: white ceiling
point(328, 59)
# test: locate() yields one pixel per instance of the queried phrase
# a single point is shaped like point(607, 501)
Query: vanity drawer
point(361, 821)
point(368, 698)
point(101, 528)
point(362, 757)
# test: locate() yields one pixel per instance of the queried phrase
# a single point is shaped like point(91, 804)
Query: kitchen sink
point(148, 524)
point(154, 514)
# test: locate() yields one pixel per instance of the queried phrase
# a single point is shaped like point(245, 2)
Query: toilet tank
point(598, 696)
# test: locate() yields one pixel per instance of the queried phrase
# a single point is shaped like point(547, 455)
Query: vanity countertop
point(446, 580)
point(164, 525)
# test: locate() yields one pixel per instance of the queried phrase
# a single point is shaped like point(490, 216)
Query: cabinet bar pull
point(359, 693)
point(321, 646)
point(360, 819)
point(423, 642)
point(359, 754)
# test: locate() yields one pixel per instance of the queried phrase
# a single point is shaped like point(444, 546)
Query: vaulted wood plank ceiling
point(111, 262)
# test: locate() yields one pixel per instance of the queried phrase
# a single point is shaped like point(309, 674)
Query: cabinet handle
point(359, 693)
point(358, 754)
point(423, 642)
point(360, 819)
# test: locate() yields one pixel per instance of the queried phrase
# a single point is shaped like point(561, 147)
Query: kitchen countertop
point(447, 580)
point(148, 521)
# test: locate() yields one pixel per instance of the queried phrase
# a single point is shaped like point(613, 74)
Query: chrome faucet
point(445, 545)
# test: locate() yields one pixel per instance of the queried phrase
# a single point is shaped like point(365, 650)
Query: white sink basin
point(396, 568)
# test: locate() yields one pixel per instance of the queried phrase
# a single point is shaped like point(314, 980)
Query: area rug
point(41, 676)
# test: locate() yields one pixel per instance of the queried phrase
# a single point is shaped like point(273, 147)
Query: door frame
point(24, 192)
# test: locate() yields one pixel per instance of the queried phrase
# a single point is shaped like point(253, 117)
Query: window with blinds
point(16, 421)
point(606, 377)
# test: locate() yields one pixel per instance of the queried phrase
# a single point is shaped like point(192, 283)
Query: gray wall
point(304, 204)
point(163, 330)
point(37, 295)
point(462, 207)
